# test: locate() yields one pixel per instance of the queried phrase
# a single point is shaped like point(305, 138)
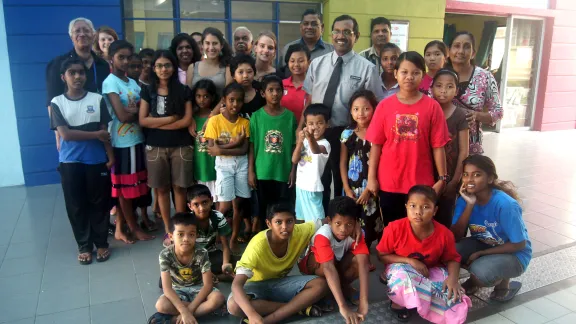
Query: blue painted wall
point(37, 31)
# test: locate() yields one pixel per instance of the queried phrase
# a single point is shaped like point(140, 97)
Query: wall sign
point(400, 30)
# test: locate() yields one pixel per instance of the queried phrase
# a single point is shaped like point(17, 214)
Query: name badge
point(355, 78)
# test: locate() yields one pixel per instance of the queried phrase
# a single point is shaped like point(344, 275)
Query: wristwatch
point(445, 178)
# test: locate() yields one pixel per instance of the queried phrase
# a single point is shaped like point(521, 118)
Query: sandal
point(244, 321)
point(509, 293)
point(159, 318)
point(166, 241)
point(371, 267)
point(326, 305)
point(153, 227)
point(402, 315)
point(85, 258)
point(469, 289)
point(383, 278)
point(103, 257)
point(311, 311)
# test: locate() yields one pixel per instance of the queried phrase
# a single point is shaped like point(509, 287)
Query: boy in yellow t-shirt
point(261, 290)
point(227, 135)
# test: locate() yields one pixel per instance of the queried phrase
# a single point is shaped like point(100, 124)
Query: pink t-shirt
point(182, 75)
point(407, 134)
point(426, 84)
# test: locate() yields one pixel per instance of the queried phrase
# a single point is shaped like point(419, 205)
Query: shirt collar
point(319, 43)
point(372, 52)
point(392, 87)
point(290, 84)
point(345, 58)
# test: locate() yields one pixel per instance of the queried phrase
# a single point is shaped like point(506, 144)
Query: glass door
point(521, 71)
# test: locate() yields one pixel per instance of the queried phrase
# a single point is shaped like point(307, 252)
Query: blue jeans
point(280, 290)
point(489, 269)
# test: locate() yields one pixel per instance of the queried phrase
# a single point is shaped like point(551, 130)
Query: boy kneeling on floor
point(186, 277)
point(334, 255)
point(262, 291)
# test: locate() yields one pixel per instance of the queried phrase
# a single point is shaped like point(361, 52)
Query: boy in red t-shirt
point(335, 255)
point(422, 265)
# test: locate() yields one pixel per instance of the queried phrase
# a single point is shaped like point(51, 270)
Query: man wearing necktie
point(331, 80)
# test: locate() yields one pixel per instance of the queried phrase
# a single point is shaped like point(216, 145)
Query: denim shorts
point(489, 269)
point(277, 290)
point(232, 177)
point(187, 294)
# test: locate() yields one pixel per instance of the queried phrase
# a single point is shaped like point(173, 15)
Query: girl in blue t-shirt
point(498, 248)
point(129, 174)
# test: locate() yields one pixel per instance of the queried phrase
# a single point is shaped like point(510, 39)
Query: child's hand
point(357, 234)
point(252, 179)
point(214, 150)
point(103, 136)
point(187, 318)
point(453, 288)
point(363, 199)
point(350, 193)
point(452, 188)
point(241, 136)
point(307, 133)
point(301, 136)
point(373, 187)
point(439, 187)
point(228, 269)
point(473, 257)
point(292, 179)
point(192, 130)
point(255, 319)
point(350, 316)
point(363, 309)
point(469, 198)
point(110, 163)
point(132, 108)
point(420, 267)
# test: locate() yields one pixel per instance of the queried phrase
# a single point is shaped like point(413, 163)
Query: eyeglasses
point(159, 66)
point(346, 32)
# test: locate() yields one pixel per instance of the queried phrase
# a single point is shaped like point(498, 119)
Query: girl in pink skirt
point(422, 265)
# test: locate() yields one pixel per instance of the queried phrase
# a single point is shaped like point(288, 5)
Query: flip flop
point(244, 321)
point(87, 260)
point(159, 318)
point(103, 257)
point(383, 278)
point(371, 267)
point(402, 315)
point(511, 292)
point(311, 311)
point(327, 305)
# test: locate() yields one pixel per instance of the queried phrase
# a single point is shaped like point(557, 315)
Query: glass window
point(188, 26)
point(288, 33)
point(294, 11)
point(148, 9)
point(155, 34)
point(252, 10)
point(202, 9)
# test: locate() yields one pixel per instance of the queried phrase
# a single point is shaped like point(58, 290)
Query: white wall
point(10, 161)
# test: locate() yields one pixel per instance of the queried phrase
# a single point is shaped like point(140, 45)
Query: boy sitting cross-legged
point(186, 277)
point(262, 291)
point(334, 255)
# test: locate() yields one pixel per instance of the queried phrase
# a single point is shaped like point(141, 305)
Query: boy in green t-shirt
point(273, 129)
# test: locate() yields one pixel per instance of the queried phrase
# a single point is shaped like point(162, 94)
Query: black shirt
point(55, 86)
point(248, 108)
point(162, 137)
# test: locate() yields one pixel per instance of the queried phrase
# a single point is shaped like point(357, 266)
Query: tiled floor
point(41, 281)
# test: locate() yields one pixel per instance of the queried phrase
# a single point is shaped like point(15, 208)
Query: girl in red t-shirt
point(435, 54)
point(408, 133)
point(422, 265)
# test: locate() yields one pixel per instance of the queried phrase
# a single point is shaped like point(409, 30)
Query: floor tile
point(65, 276)
point(550, 238)
point(22, 321)
point(63, 299)
point(564, 298)
point(494, 319)
point(128, 311)
point(532, 205)
point(547, 308)
point(524, 315)
point(532, 227)
point(20, 284)
point(26, 249)
point(565, 230)
point(113, 289)
point(5, 235)
point(566, 319)
point(538, 246)
point(3, 249)
point(541, 219)
point(18, 307)
point(21, 266)
point(75, 316)
point(561, 214)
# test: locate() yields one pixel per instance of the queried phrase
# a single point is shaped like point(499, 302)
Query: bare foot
point(121, 236)
point(141, 236)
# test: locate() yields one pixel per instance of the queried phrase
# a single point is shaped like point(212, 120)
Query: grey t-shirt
point(357, 73)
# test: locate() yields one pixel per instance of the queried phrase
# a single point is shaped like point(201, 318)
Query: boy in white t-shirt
point(335, 255)
point(311, 155)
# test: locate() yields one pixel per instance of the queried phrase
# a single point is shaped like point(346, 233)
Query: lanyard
point(95, 78)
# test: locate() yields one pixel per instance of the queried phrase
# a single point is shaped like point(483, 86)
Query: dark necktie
point(333, 84)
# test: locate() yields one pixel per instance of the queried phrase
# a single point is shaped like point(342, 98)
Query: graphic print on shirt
point(486, 233)
point(201, 142)
point(224, 138)
point(126, 128)
point(185, 273)
point(304, 157)
point(418, 256)
point(273, 142)
point(406, 127)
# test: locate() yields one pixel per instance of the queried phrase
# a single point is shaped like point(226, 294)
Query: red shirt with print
point(293, 98)
point(407, 134)
point(433, 251)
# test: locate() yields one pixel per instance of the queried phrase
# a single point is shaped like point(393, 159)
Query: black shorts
point(393, 206)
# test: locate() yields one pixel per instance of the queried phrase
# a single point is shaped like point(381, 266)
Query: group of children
point(243, 154)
